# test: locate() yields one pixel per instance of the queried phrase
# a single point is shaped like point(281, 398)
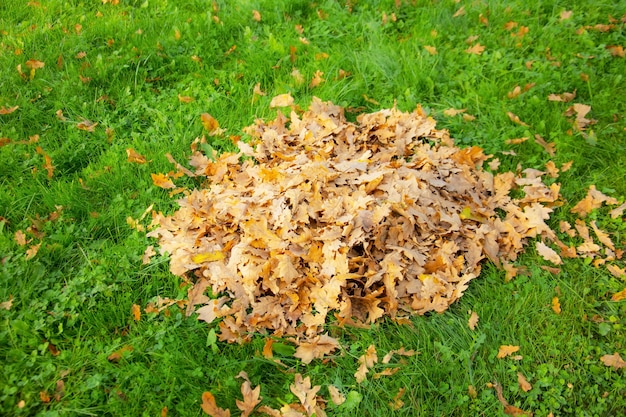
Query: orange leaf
point(136, 310)
point(556, 305)
point(161, 180)
point(267, 348)
point(9, 110)
point(256, 15)
point(210, 123)
point(117, 355)
point(515, 92)
point(210, 407)
point(476, 49)
point(135, 157)
point(34, 64)
point(185, 99)
point(619, 296)
point(506, 350)
point(317, 79)
point(523, 383)
point(431, 49)
point(515, 119)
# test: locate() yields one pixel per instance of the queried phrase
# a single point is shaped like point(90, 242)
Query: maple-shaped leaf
point(335, 395)
point(9, 110)
point(282, 100)
point(162, 181)
point(548, 253)
point(615, 361)
point(302, 389)
point(477, 49)
point(251, 398)
point(148, 253)
point(506, 350)
point(315, 348)
point(209, 406)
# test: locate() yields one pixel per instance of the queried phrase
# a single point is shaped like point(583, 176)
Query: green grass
point(76, 293)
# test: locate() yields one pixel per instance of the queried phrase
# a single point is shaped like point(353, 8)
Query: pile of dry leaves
point(317, 218)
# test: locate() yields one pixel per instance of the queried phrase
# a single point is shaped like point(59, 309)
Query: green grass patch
point(130, 66)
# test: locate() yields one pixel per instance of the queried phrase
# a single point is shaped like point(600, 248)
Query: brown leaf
point(20, 238)
point(317, 79)
point(211, 124)
point(515, 119)
point(506, 350)
point(615, 361)
point(316, 348)
point(31, 252)
point(302, 389)
point(616, 271)
point(566, 14)
point(473, 320)
point(118, 354)
point(459, 12)
point(523, 382)
point(453, 112)
point(548, 253)
point(210, 407)
point(59, 390)
point(336, 396)
point(186, 99)
point(616, 50)
point(515, 92)
point(135, 157)
point(87, 126)
point(33, 64)
point(251, 399)
point(148, 253)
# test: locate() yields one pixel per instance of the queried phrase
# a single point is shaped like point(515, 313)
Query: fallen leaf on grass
point(162, 181)
point(5, 110)
point(509, 409)
point(523, 382)
point(307, 394)
point(593, 200)
point(282, 100)
point(135, 157)
point(256, 15)
point(317, 347)
point(565, 14)
point(31, 252)
point(619, 296)
point(556, 305)
point(616, 50)
point(251, 398)
point(335, 395)
point(87, 125)
point(616, 271)
point(515, 92)
point(317, 79)
point(118, 354)
point(515, 119)
point(148, 253)
point(453, 112)
point(211, 124)
point(506, 350)
point(20, 238)
point(548, 253)
point(185, 99)
point(6, 305)
point(617, 211)
point(210, 407)
point(615, 361)
point(473, 320)
point(563, 97)
point(367, 360)
point(459, 12)
point(477, 49)
point(396, 403)
point(431, 49)
point(136, 311)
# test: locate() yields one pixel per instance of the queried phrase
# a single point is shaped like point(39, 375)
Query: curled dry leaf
point(384, 216)
point(619, 296)
point(135, 157)
point(87, 126)
point(335, 395)
point(9, 110)
point(523, 382)
point(615, 361)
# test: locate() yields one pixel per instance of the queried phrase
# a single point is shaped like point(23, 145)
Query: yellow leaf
point(431, 49)
point(619, 296)
point(256, 15)
point(210, 123)
point(208, 257)
point(135, 157)
point(87, 126)
point(548, 253)
point(161, 180)
point(136, 310)
point(556, 305)
point(506, 350)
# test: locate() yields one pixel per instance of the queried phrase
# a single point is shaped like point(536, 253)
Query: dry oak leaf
point(616, 50)
point(210, 407)
point(31, 252)
point(563, 97)
point(548, 253)
point(117, 355)
point(335, 395)
point(20, 238)
point(282, 100)
point(251, 398)
point(316, 348)
point(317, 79)
point(307, 394)
point(615, 361)
point(367, 360)
point(506, 350)
point(256, 15)
point(148, 253)
point(477, 49)
point(566, 14)
point(592, 200)
point(616, 271)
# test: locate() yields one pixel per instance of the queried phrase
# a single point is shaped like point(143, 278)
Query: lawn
point(97, 98)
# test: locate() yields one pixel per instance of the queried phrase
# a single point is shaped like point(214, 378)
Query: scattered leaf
point(556, 305)
point(477, 49)
point(548, 253)
point(335, 395)
point(506, 350)
point(256, 15)
point(87, 126)
point(431, 49)
point(282, 100)
point(210, 407)
point(116, 356)
point(6, 305)
point(135, 157)
point(9, 110)
point(515, 119)
point(251, 399)
point(473, 320)
point(136, 311)
point(161, 180)
point(523, 382)
point(615, 361)
point(619, 296)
